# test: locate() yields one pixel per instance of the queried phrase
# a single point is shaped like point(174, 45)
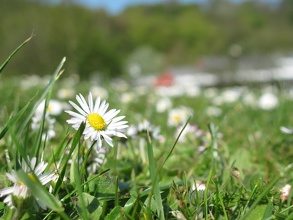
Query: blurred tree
point(143, 61)
point(94, 41)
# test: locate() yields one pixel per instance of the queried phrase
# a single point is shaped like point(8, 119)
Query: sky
point(117, 6)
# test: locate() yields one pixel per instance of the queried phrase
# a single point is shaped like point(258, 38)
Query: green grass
point(241, 156)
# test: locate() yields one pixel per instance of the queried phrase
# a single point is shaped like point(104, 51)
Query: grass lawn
point(215, 154)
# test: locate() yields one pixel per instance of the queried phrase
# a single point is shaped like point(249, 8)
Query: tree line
point(97, 42)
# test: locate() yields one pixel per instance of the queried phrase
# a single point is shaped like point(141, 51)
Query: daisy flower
point(97, 159)
point(99, 124)
point(198, 186)
point(285, 192)
point(286, 130)
point(142, 128)
point(163, 104)
point(268, 101)
point(54, 108)
point(179, 116)
point(19, 192)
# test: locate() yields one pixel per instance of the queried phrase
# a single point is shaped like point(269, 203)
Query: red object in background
point(165, 79)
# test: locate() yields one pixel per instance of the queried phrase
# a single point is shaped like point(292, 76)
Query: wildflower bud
point(285, 192)
point(235, 172)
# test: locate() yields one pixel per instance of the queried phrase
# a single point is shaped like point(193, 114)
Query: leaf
point(114, 214)
point(93, 206)
point(155, 180)
point(257, 213)
point(269, 211)
point(103, 188)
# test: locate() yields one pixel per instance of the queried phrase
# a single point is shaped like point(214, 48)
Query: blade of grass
point(75, 141)
point(14, 119)
point(86, 182)
point(14, 52)
point(19, 148)
point(205, 195)
point(39, 138)
point(116, 192)
point(155, 182)
point(269, 211)
point(78, 184)
point(176, 141)
point(52, 81)
point(221, 201)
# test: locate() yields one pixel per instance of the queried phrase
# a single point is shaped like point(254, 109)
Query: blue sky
point(116, 6)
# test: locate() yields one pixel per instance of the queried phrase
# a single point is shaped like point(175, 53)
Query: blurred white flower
point(213, 111)
point(30, 81)
point(286, 130)
point(210, 93)
point(65, 93)
point(268, 101)
point(19, 192)
point(54, 108)
point(170, 91)
point(97, 159)
point(198, 186)
point(231, 95)
point(285, 192)
point(189, 129)
point(127, 97)
point(163, 104)
point(178, 215)
point(192, 90)
point(98, 91)
point(179, 116)
point(228, 96)
point(123, 85)
point(142, 128)
point(250, 99)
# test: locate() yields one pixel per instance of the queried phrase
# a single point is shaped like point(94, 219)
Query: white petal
point(40, 168)
point(110, 114)
point(90, 101)
point(108, 139)
point(118, 118)
point(33, 162)
point(97, 104)
point(6, 191)
point(83, 103)
point(74, 121)
point(12, 178)
point(103, 108)
point(116, 133)
point(74, 114)
point(99, 142)
point(81, 111)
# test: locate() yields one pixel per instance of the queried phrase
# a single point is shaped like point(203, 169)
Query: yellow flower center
point(49, 108)
point(96, 121)
point(176, 118)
